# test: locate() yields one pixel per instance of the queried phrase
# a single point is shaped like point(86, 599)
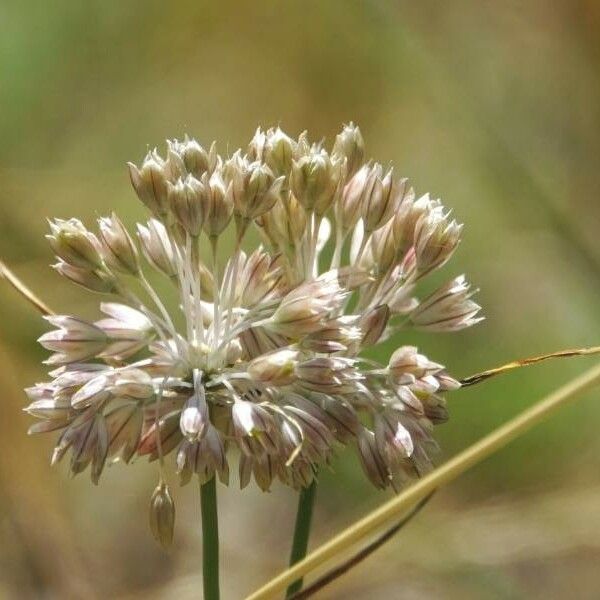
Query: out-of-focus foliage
point(495, 107)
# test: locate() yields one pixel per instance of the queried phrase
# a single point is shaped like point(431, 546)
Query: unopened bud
point(90, 280)
point(381, 199)
point(157, 247)
point(279, 151)
point(219, 205)
point(349, 143)
point(186, 202)
point(150, 183)
point(74, 244)
point(118, 248)
point(162, 515)
point(276, 368)
point(436, 239)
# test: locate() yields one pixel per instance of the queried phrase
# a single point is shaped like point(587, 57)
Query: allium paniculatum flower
point(259, 354)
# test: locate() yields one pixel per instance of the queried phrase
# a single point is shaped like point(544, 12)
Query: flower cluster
point(263, 353)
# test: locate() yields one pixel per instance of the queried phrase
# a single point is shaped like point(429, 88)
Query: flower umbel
point(263, 350)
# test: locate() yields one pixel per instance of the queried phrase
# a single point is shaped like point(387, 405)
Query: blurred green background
point(495, 107)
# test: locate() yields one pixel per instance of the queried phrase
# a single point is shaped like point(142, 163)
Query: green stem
point(306, 502)
point(210, 539)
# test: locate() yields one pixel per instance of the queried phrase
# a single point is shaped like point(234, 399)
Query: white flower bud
point(218, 207)
point(449, 308)
point(90, 280)
point(279, 151)
point(186, 199)
point(436, 239)
point(157, 247)
point(118, 248)
point(74, 244)
point(349, 143)
point(150, 183)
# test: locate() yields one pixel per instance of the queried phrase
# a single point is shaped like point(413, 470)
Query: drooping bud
point(276, 368)
point(150, 183)
point(185, 198)
point(74, 244)
point(118, 248)
point(162, 515)
point(349, 143)
point(194, 417)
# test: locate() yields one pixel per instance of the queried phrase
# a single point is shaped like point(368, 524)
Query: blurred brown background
point(494, 106)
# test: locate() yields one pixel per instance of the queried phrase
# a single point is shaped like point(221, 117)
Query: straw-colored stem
point(449, 471)
point(18, 285)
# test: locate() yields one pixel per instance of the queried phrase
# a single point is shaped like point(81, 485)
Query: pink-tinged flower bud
point(75, 340)
point(133, 383)
point(392, 438)
point(371, 460)
point(329, 375)
point(127, 329)
point(349, 143)
point(303, 309)
point(349, 205)
point(203, 458)
point(276, 368)
point(94, 393)
point(150, 183)
point(94, 281)
point(124, 424)
point(74, 244)
point(449, 308)
point(162, 515)
point(157, 247)
point(406, 365)
point(373, 324)
point(118, 248)
point(382, 199)
point(384, 248)
point(278, 151)
point(218, 205)
point(436, 239)
point(405, 220)
point(185, 198)
point(194, 417)
point(336, 335)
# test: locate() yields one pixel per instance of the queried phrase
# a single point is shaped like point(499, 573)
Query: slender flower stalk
point(473, 455)
point(306, 501)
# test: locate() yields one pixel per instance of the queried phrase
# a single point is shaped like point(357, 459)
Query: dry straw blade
point(441, 476)
point(18, 285)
